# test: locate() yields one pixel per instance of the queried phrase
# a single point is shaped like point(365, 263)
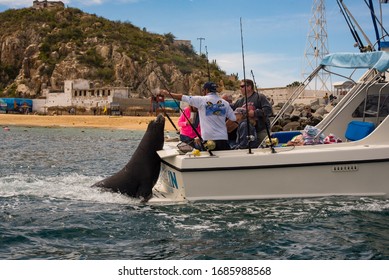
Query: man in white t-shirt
point(213, 112)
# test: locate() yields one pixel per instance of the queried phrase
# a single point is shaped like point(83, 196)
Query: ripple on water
point(49, 211)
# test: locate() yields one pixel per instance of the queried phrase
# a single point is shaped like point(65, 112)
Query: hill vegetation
point(43, 47)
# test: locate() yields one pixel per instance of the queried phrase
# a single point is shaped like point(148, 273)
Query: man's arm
point(166, 93)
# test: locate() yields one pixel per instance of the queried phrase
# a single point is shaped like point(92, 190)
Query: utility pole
point(201, 40)
point(317, 47)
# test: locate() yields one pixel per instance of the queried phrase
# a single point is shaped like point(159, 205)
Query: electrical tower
point(316, 48)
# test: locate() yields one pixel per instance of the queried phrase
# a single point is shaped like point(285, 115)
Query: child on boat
point(242, 137)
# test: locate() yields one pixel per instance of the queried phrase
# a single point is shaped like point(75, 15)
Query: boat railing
point(379, 102)
point(296, 93)
point(371, 112)
point(354, 92)
point(370, 78)
point(299, 90)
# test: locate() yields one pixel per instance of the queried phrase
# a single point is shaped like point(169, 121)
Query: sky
point(266, 38)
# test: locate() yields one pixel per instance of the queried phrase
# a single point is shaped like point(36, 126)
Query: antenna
point(206, 55)
point(317, 47)
point(201, 40)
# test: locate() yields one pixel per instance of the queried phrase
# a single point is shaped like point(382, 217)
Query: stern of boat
point(169, 187)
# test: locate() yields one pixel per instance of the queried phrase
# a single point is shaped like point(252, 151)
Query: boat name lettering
point(172, 179)
point(345, 168)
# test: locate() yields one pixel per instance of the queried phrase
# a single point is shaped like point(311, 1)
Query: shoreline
point(83, 121)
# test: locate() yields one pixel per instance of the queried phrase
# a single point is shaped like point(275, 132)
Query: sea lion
point(140, 174)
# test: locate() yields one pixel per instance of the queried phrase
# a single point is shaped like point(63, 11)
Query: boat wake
point(71, 186)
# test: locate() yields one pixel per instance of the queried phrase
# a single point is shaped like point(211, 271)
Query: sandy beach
point(109, 122)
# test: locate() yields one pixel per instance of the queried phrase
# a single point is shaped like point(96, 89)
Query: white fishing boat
point(355, 167)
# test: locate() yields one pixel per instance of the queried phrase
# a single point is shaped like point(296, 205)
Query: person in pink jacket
point(187, 133)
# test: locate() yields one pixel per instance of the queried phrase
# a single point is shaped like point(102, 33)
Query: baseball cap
point(211, 86)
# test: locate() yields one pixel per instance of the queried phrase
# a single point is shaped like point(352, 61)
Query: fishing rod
point(245, 89)
point(164, 111)
point(182, 112)
point(376, 20)
point(354, 33)
point(264, 118)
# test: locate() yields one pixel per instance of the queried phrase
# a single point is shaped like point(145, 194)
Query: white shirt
point(213, 112)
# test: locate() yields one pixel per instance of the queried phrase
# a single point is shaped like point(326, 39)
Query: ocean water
point(48, 211)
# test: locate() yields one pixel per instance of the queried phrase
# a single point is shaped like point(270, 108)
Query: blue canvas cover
point(284, 136)
point(376, 60)
point(357, 130)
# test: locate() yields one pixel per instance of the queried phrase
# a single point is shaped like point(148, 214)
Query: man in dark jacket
point(258, 107)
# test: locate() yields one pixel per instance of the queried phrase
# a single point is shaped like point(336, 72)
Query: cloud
point(270, 70)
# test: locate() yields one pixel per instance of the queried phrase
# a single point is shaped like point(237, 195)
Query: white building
point(81, 94)
point(47, 4)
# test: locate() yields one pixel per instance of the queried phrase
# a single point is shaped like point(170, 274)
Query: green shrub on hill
point(52, 29)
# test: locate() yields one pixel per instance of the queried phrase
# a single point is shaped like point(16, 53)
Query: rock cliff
point(43, 48)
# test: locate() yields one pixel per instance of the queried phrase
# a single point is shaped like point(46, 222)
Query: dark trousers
point(190, 141)
point(222, 145)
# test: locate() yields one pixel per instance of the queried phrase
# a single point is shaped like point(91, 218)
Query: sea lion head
point(155, 130)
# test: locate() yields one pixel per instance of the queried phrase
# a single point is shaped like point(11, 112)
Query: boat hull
point(301, 172)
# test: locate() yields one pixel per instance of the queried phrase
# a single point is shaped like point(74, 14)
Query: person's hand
point(197, 141)
point(163, 92)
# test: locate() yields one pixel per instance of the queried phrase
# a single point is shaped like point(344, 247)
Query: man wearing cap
point(212, 111)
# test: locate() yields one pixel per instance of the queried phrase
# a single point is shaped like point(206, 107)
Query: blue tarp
point(171, 104)
point(16, 104)
point(376, 60)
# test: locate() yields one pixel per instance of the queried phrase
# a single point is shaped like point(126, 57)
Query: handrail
point(295, 95)
point(379, 101)
point(354, 94)
point(366, 97)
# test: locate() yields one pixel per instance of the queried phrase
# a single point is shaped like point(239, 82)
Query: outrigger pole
point(349, 20)
point(245, 89)
point(375, 21)
point(264, 118)
point(182, 112)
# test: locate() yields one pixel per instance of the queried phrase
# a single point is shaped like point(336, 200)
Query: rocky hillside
point(42, 48)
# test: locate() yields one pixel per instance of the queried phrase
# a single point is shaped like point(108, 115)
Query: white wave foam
point(70, 186)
